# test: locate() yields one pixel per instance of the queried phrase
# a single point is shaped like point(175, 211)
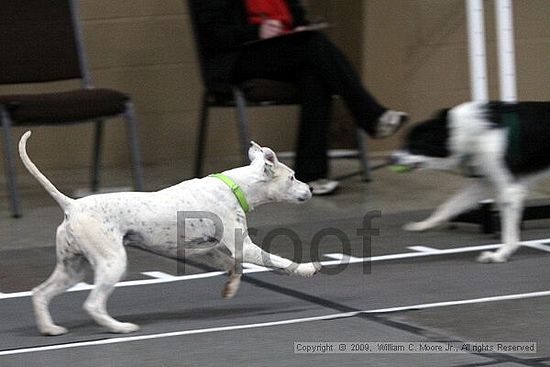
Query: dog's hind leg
point(232, 284)
point(104, 249)
point(108, 271)
point(511, 194)
point(255, 255)
point(70, 269)
point(511, 205)
point(221, 260)
point(465, 199)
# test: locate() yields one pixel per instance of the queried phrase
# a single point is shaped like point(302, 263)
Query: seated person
point(307, 59)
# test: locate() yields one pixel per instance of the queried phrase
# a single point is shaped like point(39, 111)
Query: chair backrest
point(40, 41)
point(260, 91)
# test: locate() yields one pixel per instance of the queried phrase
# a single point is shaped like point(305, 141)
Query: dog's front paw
point(308, 269)
point(124, 328)
point(53, 330)
point(418, 226)
point(491, 257)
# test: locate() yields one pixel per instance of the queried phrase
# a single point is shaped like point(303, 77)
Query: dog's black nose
point(310, 189)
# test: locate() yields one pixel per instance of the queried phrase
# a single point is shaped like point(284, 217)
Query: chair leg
point(242, 121)
point(201, 141)
point(363, 155)
point(9, 164)
point(96, 156)
point(133, 141)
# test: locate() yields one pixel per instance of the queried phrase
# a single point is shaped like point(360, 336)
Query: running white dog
point(506, 145)
point(96, 229)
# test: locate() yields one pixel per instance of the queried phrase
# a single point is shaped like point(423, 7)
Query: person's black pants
point(319, 70)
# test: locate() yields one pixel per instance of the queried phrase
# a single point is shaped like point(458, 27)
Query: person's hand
point(270, 28)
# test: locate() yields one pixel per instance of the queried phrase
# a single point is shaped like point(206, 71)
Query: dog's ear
point(270, 159)
point(264, 156)
point(255, 151)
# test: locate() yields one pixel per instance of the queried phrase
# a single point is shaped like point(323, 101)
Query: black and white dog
point(505, 145)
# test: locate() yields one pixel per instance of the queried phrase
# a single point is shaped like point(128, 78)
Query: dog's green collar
point(236, 189)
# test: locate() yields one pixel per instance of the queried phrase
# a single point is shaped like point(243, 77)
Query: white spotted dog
point(505, 146)
point(97, 228)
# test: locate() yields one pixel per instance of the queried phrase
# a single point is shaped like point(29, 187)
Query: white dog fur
point(96, 229)
point(474, 136)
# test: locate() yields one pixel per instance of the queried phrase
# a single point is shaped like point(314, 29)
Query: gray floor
point(186, 323)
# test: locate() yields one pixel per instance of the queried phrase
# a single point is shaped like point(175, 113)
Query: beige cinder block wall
point(415, 53)
point(145, 48)
point(412, 55)
point(140, 47)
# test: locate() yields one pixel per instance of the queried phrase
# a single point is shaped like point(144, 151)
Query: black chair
point(251, 93)
point(41, 41)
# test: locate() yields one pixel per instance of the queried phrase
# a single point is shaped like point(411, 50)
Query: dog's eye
point(291, 178)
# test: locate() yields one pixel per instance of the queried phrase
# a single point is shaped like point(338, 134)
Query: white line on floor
point(423, 249)
point(157, 274)
point(129, 339)
point(539, 246)
point(341, 259)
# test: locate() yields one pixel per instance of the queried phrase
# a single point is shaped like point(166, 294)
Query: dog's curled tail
point(61, 199)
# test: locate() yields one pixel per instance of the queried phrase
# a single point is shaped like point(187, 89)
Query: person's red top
point(259, 10)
